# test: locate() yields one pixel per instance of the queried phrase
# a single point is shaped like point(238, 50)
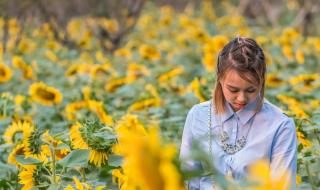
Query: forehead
point(233, 78)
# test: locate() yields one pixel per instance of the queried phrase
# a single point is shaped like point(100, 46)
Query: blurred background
point(94, 94)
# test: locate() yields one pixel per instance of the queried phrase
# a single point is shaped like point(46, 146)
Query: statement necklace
point(224, 137)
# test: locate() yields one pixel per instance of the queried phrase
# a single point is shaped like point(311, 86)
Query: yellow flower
point(149, 52)
point(136, 71)
point(97, 107)
point(26, 70)
point(91, 105)
point(96, 157)
point(86, 91)
point(287, 51)
point(298, 180)
point(259, 173)
point(113, 84)
point(5, 73)
point(45, 94)
point(27, 176)
point(59, 153)
point(261, 40)
point(209, 61)
point(274, 81)
point(315, 42)
point(211, 49)
point(147, 164)
point(314, 104)
point(130, 124)
point(143, 104)
point(305, 83)
point(300, 56)
point(99, 71)
point(152, 90)
point(26, 45)
point(12, 132)
point(72, 70)
point(19, 99)
point(194, 87)
point(17, 150)
point(33, 146)
point(168, 75)
point(123, 52)
point(51, 56)
point(111, 25)
point(305, 142)
point(288, 36)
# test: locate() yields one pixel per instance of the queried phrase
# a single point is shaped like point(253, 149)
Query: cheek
point(252, 97)
point(229, 96)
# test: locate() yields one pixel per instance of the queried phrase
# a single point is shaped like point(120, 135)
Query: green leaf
point(75, 158)
point(63, 146)
point(53, 187)
point(27, 161)
point(7, 167)
point(115, 160)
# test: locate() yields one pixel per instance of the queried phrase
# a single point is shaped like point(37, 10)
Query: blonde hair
point(246, 57)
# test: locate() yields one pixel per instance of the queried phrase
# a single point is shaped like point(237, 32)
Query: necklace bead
point(224, 137)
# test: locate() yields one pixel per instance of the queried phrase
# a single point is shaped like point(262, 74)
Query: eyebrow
point(249, 88)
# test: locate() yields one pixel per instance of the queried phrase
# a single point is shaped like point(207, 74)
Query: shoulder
point(278, 117)
point(200, 109)
point(273, 111)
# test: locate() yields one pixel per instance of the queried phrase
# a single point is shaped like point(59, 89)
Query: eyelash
point(235, 91)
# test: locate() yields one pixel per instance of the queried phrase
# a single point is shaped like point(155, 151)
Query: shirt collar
point(244, 114)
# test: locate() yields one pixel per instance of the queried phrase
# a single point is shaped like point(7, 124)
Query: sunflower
point(79, 185)
point(33, 175)
point(89, 136)
point(147, 163)
point(17, 150)
point(113, 84)
point(26, 70)
point(5, 73)
point(135, 71)
point(59, 153)
point(72, 70)
point(146, 103)
point(27, 176)
point(12, 132)
point(168, 75)
point(305, 83)
point(34, 147)
point(149, 52)
point(93, 106)
point(274, 81)
point(45, 94)
point(260, 176)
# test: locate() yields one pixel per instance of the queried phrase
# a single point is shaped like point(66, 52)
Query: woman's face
point(237, 91)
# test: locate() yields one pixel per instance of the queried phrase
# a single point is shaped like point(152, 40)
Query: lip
point(239, 105)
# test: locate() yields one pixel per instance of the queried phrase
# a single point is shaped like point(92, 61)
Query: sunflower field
point(87, 118)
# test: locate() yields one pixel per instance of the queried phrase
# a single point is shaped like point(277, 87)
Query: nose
point(242, 98)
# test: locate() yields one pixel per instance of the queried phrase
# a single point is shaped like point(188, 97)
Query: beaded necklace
point(224, 137)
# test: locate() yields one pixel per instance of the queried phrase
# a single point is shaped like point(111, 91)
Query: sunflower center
point(2, 72)
point(20, 151)
point(308, 82)
point(45, 94)
point(275, 79)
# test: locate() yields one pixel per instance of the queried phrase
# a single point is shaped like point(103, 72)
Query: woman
point(238, 126)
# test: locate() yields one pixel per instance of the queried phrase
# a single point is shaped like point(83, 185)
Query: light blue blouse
point(272, 137)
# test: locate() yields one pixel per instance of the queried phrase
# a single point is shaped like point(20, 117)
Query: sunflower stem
point(83, 175)
point(53, 155)
point(313, 186)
